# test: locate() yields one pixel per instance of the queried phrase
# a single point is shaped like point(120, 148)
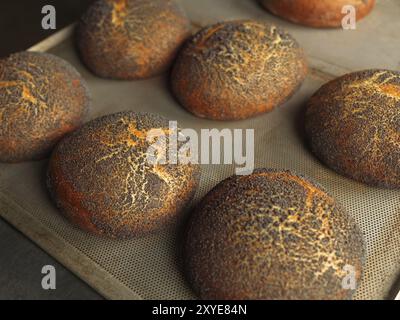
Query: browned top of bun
point(131, 39)
point(271, 235)
point(101, 179)
point(42, 97)
point(353, 124)
point(237, 69)
point(318, 13)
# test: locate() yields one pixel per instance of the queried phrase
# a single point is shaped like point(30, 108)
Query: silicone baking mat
point(150, 267)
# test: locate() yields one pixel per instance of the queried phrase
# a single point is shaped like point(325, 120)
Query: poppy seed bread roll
point(272, 235)
point(317, 13)
point(238, 69)
point(101, 179)
point(42, 98)
point(353, 126)
point(131, 39)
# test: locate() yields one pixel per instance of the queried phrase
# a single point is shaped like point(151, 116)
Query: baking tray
point(150, 267)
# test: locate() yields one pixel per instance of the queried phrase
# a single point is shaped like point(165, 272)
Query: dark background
point(20, 21)
point(21, 261)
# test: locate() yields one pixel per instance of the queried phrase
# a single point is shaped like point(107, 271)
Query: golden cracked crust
point(317, 13)
point(42, 97)
point(100, 178)
point(272, 235)
point(131, 39)
point(353, 126)
point(238, 69)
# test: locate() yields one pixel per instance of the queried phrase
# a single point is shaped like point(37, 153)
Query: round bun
point(42, 98)
point(353, 126)
point(317, 13)
point(101, 179)
point(272, 235)
point(131, 39)
point(236, 70)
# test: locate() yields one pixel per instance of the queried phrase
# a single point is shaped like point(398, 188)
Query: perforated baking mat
point(150, 267)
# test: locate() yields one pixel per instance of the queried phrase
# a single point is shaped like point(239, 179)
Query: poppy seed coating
point(272, 235)
point(353, 126)
point(101, 179)
point(42, 98)
point(318, 13)
point(131, 39)
point(238, 69)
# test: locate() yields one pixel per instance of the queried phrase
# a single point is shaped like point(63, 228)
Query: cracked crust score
point(317, 13)
point(131, 39)
point(42, 98)
point(353, 126)
point(101, 180)
point(237, 69)
point(272, 235)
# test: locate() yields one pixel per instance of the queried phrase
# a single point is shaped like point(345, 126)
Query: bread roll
point(102, 181)
point(317, 13)
point(353, 126)
point(236, 70)
point(272, 235)
point(131, 39)
point(42, 98)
